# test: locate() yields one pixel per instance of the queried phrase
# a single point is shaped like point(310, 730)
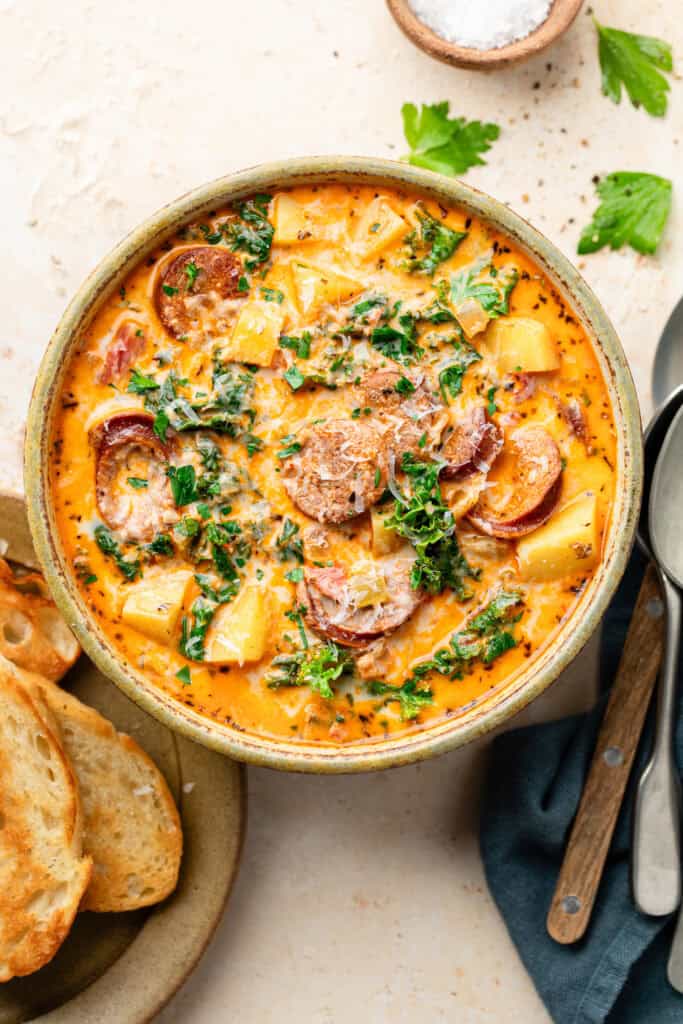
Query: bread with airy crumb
point(33, 633)
point(43, 871)
point(131, 826)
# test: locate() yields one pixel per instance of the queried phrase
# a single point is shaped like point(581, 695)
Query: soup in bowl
point(334, 464)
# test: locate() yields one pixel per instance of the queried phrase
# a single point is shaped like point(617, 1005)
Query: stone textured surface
point(358, 897)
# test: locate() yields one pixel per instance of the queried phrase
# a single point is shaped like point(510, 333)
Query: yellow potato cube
point(256, 333)
point(378, 227)
point(521, 344)
point(383, 541)
point(239, 631)
point(568, 543)
point(153, 605)
point(316, 286)
point(291, 221)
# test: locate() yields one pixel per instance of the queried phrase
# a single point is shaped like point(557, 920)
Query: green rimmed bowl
point(494, 708)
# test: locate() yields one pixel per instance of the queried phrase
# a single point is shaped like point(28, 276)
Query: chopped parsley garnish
point(140, 383)
point(633, 211)
point(300, 346)
point(253, 233)
point(411, 697)
point(430, 244)
point(491, 407)
point(183, 484)
point(292, 447)
point(129, 568)
point(633, 60)
point(273, 295)
point(138, 483)
point(243, 284)
point(486, 284)
point(191, 272)
point(252, 443)
point(398, 343)
point(294, 377)
point(168, 289)
point(404, 386)
point(187, 527)
point(425, 520)
point(161, 545)
point(447, 145)
point(289, 545)
point(450, 378)
point(484, 638)
point(295, 575)
point(194, 629)
point(183, 675)
point(318, 667)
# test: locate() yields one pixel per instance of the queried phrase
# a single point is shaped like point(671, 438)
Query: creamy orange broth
point(238, 695)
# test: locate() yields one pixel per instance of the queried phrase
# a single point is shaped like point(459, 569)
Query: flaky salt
point(482, 24)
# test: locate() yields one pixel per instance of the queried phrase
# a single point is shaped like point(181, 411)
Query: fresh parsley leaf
point(633, 60)
point(404, 386)
point(193, 629)
point(253, 233)
point(486, 284)
point(411, 698)
point(289, 545)
point(450, 378)
point(430, 244)
point(444, 144)
point(294, 377)
point(183, 675)
point(633, 211)
point(140, 384)
point(138, 483)
point(243, 284)
point(295, 575)
point(183, 484)
point(168, 289)
point(191, 272)
point(491, 407)
point(398, 343)
point(187, 527)
point(253, 443)
point(129, 568)
point(161, 545)
point(291, 447)
point(300, 346)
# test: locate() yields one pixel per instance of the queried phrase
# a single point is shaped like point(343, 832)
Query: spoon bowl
point(666, 501)
point(667, 371)
point(560, 17)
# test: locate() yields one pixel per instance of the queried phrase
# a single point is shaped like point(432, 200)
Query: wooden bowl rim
point(561, 15)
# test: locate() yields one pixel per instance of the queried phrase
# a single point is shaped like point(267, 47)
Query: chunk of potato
point(568, 543)
point(315, 287)
point(383, 541)
point(256, 333)
point(239, 631)
point(472, 317)
point(522, 344)
point(378, 227)
point(367, 586)
point(291, 221)
point(153, 605)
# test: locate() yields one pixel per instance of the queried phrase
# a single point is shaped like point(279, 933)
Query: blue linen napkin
point(617, 972)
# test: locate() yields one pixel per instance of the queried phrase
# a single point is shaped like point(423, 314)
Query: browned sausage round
point(472, 446)
point(127, 448)
point(329, 602)
point(530, 481)
point(340, 471)
point(192, 285)
point(122, 351)
point(405, 415)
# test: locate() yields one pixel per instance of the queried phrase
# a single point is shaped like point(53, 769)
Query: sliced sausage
point(405, 415)
point(126, 448)
point(340, 471)
point(331, 609)
point(529, 482)
point(122, 351)
point(472, 446)
point(192, 289)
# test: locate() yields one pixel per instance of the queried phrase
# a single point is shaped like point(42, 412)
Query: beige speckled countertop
point(359, 898)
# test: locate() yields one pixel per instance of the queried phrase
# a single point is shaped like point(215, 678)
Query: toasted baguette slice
point(43, 873)
point(131, 825)
point(33, 634)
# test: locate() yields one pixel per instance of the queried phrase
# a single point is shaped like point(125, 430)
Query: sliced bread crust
point(43, 872)
point(131, 825)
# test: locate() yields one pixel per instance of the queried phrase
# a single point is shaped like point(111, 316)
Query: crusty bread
point(33, 634)
point(130, 823)
point(43, 872)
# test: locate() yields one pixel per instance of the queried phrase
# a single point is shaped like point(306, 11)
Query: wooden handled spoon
point(615, 750)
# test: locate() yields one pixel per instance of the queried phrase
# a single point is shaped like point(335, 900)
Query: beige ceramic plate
point(122, 968)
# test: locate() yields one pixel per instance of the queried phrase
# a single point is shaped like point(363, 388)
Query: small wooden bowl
point(562, 14)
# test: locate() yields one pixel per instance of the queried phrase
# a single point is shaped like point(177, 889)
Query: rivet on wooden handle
point(617, 743)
